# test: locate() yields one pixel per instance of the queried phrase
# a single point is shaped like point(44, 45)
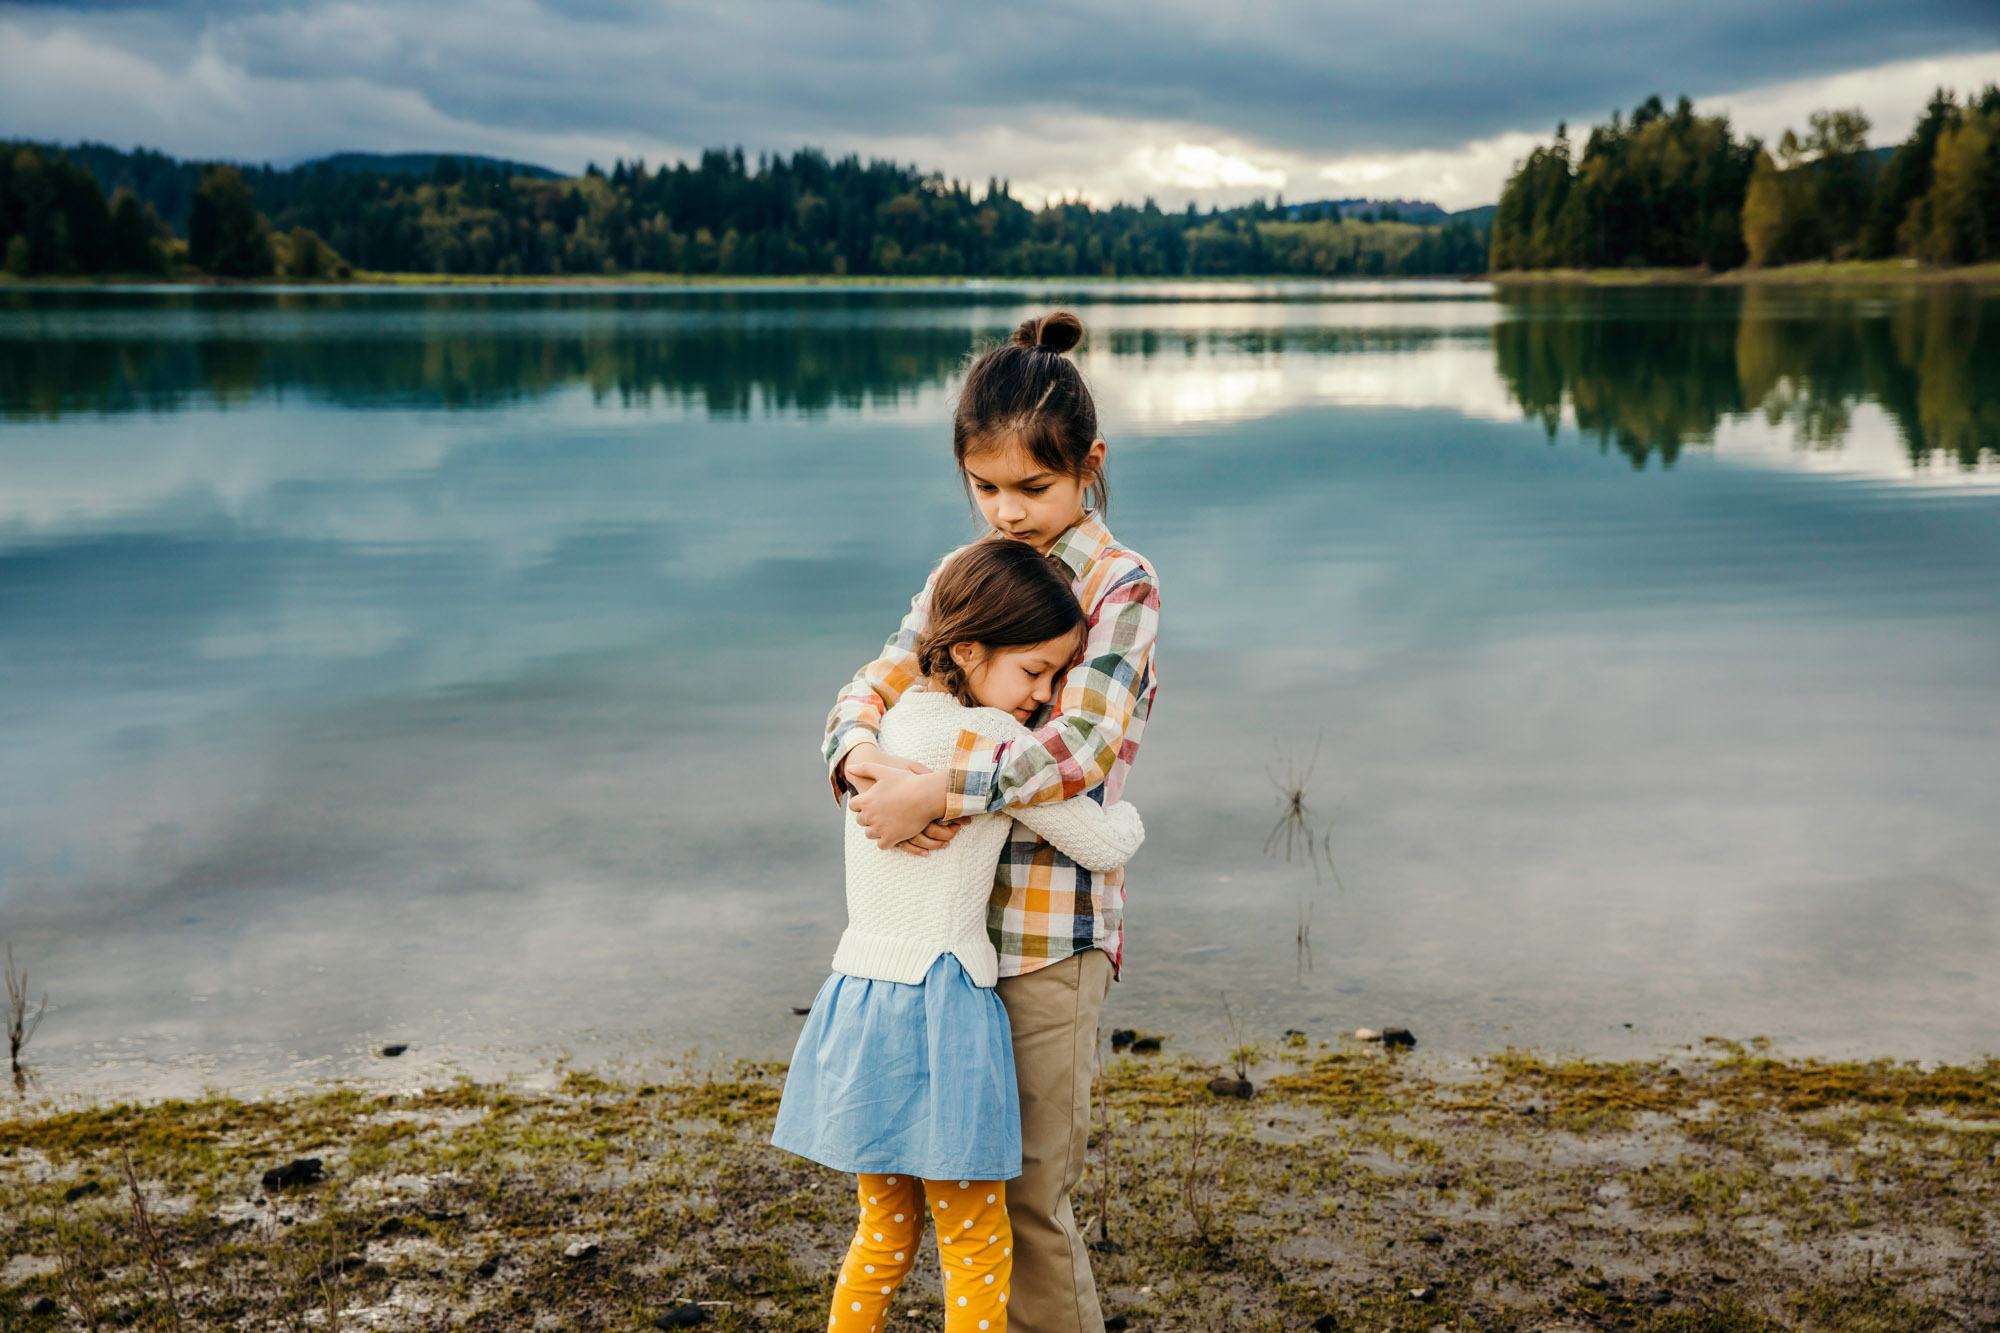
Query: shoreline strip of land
point(1714, 1191)
point(1871, 273)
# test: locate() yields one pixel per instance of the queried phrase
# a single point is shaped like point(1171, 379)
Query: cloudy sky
point(1111, 99)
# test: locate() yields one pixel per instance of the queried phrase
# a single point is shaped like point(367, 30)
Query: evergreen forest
point(806, 214)
point(1665, 187)
point(1669, 188)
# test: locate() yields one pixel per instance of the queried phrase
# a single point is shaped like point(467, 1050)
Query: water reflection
point(376, 352)
point(391, 667)
point(1647, 374)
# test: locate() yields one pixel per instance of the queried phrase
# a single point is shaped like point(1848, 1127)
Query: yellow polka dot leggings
point(975, 1246)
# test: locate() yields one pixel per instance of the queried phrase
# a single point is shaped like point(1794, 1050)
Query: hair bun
point(1057, 331)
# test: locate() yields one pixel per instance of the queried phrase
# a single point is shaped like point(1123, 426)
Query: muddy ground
point(1357, 1190)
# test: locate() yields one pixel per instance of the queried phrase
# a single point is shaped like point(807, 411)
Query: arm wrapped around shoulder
point(1096, 837)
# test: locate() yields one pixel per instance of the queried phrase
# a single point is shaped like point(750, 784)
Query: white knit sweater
point(904, 912)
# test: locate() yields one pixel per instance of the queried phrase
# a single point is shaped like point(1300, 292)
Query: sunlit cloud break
point(1192, 166)
point(1890, 95)
point(1107, 103)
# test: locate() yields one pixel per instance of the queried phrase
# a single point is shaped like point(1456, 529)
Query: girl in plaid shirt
point(1026, 442)
point(904, 1072)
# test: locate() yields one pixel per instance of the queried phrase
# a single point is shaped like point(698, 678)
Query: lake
point(449, 667)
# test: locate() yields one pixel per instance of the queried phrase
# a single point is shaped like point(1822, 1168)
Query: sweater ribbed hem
point(899, 958)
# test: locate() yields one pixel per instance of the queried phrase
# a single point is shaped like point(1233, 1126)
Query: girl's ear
point(1093, 469)
point(964, 654)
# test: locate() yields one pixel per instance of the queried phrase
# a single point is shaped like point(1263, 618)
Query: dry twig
point(329, 1277)
point(149, 1238)
point(1107, 1172)
point(1199, 1180)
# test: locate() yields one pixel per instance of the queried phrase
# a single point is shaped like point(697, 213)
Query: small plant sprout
point(20, 1024)
point(1239, 1054)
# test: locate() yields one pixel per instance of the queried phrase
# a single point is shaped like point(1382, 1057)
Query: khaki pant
point(1053, 1012)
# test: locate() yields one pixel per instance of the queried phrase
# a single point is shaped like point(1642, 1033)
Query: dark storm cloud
point(1324, 79)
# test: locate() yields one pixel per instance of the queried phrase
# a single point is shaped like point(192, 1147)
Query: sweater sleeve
point(1096, 837)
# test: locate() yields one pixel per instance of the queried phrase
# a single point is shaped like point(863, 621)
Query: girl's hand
point(937, 835)
point(899, 807)
point(867, 754)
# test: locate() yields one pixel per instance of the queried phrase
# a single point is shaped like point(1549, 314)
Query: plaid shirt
point(1045, 907)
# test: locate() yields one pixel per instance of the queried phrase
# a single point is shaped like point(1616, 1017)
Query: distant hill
point(1420, 211)
point(422, 164)
point(168, 183)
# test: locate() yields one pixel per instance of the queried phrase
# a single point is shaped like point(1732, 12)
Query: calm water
point(449, 668)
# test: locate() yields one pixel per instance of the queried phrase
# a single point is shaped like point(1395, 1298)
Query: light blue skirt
point(905, 1080)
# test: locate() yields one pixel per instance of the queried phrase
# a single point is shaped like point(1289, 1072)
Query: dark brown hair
point(997, 593)
point(1028, 392)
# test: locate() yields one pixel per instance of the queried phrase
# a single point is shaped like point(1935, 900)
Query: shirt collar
point(1080, 546)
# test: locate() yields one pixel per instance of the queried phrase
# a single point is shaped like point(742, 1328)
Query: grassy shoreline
point(368, 278)
point(1716, 1192)
point(1866, 273)
point(1871, 273)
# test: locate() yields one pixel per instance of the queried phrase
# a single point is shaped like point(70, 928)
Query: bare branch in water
point(20, 1025)
point(1305, 938)
point(1298, 830)
point(1295, 819)
point(1326, 850)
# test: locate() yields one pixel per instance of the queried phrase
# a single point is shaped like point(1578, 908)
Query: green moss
point(1339, 1082)
point(1865, 1307)
point(1730, 1316)
point(1971, 1091)
point(1126, 1086)
point(1586, 1088)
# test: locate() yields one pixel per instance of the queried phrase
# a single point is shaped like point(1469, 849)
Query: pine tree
point(1949, 226)
point(1763, 212)
point(1906, 179)
point(226, 233)
point(134, 247)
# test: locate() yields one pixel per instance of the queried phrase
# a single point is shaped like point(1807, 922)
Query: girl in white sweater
point(904, 1074)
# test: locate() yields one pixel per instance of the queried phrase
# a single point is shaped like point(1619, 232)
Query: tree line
point(802, 214)
point(56, 220)
point(1669, 188)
